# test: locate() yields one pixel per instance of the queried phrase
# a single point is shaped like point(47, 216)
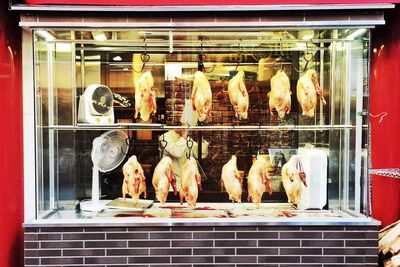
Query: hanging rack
point(144, 57)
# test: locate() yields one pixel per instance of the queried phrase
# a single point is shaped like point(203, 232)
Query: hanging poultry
point(258, 181)
point(231, 180)
point(238, 95)
point(307, 91)
point(134, 183)
point(163, 178)
point(190, 182)
point(145, 97)
point(292, 179)
point(201, 96)
point(279, 97)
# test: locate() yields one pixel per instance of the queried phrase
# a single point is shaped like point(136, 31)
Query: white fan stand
point(95, 204)
point(113, 152)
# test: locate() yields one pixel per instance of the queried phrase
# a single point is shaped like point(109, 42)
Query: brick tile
point(106, 229)
point(127, 252)
point(301, 251)
point(31, 261)
point(83, 236)
point(235, 228)
point(55, 261)
point(361, 259)
point(49, 236)
point(84, 252)
point(350, 251)
point(344, 235)
point(148, 243)
point(279, 243)
point(30, 237)
point(192, 259)
point(213, 265)
point(278, 259)
point(297, 265)
point(148, 260)
point(213, 251)
point(236, 243)
point(171, 251)
point(31, 253)
point(31, 245)
point(192, 243)
point(362, 228)
point(213, 235)
point(127, 235)
point(106, 244)
point(257, 235)
point(322, 228)
point(61, 229)
point(31, 230)
point(72, 244)
point(251, 265)
point(48, 253)
point(236, 259)
point(174, 235)
point(300, 235)
point(278, 228)
point(362, 243)
point(322, 243)
point(257, 251)
point(106, 260)
point(322, 259)
point(192, 229)
point(150, 229)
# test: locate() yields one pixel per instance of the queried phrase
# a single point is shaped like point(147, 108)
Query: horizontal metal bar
point(161, 127)
point(196, 8)
point(213, 25)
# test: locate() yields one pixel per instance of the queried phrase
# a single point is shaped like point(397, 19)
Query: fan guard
point(102, 100)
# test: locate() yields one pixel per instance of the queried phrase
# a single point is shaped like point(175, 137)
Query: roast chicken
point(238, 95)
point(190, 182)
point(134, 183)
point(201, 96)
point(279, 97)
point(258, 181)
point(163, 178)
point(145, 97)
point(292, 179)
point(307, 91)
point(231, 180)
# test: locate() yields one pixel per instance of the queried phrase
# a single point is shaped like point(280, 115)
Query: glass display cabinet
point(306, 111)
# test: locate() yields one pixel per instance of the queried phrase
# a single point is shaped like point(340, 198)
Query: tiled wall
point(202, 246)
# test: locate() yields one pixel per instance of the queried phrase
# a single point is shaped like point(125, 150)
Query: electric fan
point(108, 152)
point(96, 105)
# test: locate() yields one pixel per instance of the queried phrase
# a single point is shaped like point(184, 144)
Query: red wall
point(385, 97)
point(205, 2)
point(11, 154)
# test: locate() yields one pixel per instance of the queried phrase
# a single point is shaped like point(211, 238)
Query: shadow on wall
point(11, 151)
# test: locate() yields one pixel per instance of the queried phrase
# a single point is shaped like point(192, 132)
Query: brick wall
point(202, 246)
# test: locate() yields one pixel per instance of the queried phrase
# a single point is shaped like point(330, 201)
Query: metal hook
point(189, 144)
point(240, 55)
point(308, 57)
point(144, 57)
point(163, 145)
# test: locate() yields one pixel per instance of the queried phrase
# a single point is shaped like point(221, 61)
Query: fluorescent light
point(308, 37)
point(99, 36)
point(117, 58)
point(63, 47)
point(46, 35)
point(356, 34)
point(171, 39)
point(125, 69)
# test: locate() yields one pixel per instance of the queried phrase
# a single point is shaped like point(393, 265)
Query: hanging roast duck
point(307, 91)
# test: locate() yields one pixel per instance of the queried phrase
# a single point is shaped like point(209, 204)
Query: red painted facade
point(11, 149)
point(203, 2)
point(385, 97)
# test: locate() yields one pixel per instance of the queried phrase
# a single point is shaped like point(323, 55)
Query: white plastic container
point(315, 164)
